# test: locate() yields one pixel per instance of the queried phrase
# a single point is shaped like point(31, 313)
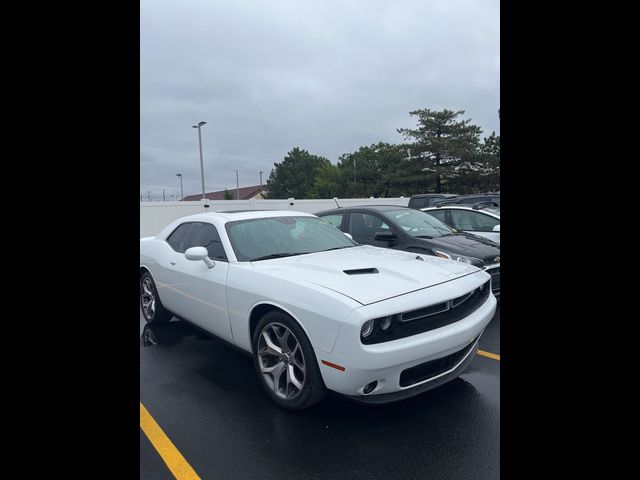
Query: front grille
point(495, 278)
point(432, 317)
point(430, 369)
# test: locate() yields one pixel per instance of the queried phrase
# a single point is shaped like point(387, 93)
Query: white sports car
point(316, 310)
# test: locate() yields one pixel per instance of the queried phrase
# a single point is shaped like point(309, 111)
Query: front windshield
point(419, 224)
point(274, 237)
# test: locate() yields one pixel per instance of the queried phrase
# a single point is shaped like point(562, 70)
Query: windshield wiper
point(423, 236)
point(336, 248)
point(278, 255)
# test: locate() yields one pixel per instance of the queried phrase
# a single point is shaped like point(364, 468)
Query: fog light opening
point(370, 387)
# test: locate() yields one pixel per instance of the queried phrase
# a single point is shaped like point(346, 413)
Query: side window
point(474, 221)
point(419, 202)
point(433, 201)
point(364, 225)
point(205, 235)
point(335, 219)
point(175, 239)
point(485, 223)
point(439, 214)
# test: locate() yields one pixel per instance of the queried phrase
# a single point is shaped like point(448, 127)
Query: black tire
point(157, 314)
point(313, 389)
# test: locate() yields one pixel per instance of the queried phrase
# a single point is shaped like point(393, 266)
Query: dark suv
point(424, 200)
point(402, 228)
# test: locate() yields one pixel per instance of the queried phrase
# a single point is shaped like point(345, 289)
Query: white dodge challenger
point(316, 310)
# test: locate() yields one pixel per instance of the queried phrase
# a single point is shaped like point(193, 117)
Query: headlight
point(460, 258)
point(377, 327)
point(368, 328)
point(385, 323)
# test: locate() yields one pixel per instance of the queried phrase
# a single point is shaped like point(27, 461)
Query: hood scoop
point(361, 271)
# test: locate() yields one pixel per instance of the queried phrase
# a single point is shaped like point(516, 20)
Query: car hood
point(398, 272)
point(466, 244)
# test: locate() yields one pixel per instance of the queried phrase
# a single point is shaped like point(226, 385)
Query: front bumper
point(385, 362)
point(424, 386)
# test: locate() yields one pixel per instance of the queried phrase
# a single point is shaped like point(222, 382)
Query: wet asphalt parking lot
point(205, 397)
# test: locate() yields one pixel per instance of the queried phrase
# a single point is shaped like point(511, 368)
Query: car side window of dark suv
point(365, 225)
point(419, 202)
point(334, 219)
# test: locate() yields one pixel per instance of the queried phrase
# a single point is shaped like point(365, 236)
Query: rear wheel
point(152, 308)
point(285, 362)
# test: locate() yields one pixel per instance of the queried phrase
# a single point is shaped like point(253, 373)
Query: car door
point(164, 272)
point(200, 292)
point(475, 222)
point(363, 227)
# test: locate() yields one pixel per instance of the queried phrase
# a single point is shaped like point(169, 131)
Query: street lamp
point(200, 124)
point(179, 175)
point(237, 186)
point(260, 182)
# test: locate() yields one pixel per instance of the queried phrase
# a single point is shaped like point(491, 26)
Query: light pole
point(237, 186)
point(200, 124)
point(163, 194)
point(179, 175)
point(261, 183)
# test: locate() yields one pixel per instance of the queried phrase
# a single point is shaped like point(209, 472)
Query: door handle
point(172, 262)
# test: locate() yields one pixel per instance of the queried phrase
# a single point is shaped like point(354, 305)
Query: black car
point(404, 228)
point(488, 198)
point(423, 200)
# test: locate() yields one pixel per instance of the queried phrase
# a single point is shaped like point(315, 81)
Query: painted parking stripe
point(489, 354)
point(167, 450)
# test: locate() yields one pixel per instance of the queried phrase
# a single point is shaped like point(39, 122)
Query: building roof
point(245, 194)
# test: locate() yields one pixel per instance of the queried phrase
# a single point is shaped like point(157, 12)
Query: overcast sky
point(325, 75)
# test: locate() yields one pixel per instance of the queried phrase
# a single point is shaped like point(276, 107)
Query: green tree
point(482, 173)
point(443, 148)
point(228, 195)
point(373, 171)
point(295, 175)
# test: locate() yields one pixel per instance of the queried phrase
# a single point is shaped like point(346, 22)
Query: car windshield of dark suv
point(419, 224)
point(276, 237)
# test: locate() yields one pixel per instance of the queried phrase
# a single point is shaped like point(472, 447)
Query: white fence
point(154, 216)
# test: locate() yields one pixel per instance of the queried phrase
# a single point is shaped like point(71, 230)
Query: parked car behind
point(428, 199)
point(476, 219)
point(404, 228)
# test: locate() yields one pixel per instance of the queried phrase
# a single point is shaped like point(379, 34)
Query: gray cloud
point(328, 76)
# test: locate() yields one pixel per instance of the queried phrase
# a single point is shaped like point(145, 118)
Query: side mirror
point(496, 228)
point(348, 235)
point(385, 236)
point(199, 254)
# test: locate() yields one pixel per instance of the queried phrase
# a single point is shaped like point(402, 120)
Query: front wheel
point(285, 362)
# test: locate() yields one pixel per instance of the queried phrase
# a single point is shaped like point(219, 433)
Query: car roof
point(426, 195)
point(374, 208)
point(246, 214)
point(462, 206)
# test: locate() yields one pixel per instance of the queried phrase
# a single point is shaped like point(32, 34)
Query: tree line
point(443, 154)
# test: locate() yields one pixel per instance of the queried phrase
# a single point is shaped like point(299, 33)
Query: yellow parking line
point(489, 354)
point(167, 450)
